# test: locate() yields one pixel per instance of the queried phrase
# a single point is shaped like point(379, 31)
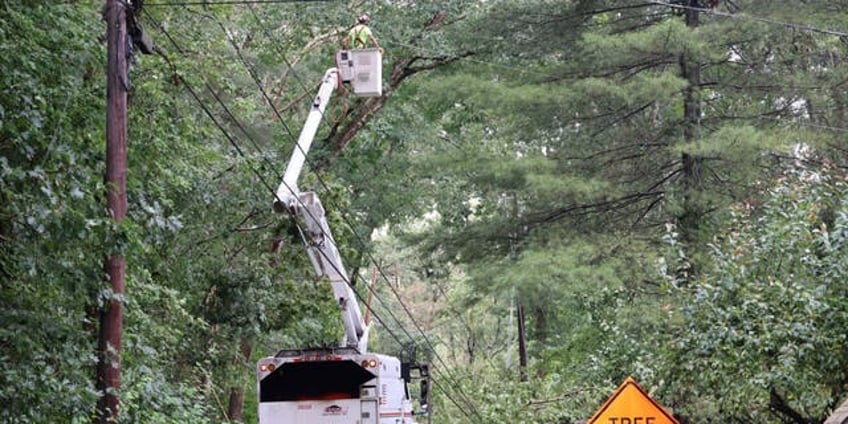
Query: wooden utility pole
point(522, 343)
point(111, 314)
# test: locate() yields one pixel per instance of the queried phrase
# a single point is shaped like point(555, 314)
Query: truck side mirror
point(406, 371)
point(425, 394)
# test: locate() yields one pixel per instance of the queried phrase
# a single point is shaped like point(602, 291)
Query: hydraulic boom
point(346, 384)
point(307, 207)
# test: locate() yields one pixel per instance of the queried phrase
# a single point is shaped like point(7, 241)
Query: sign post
point(630, 404)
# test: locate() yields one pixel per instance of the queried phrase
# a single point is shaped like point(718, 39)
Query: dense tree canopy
point(660, 186)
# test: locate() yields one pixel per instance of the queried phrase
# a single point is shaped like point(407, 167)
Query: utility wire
point(655, 2)
point(300, 229)
point(708, 11)
point(373, 260)
point(766, 20)
point(357, 235)
point(771, 21)
point(226, 2)
point(256, 79)
point(371, 257)
point(285, 60)
point(280, 51)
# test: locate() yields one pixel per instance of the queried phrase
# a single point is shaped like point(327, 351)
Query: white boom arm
point(320, 245)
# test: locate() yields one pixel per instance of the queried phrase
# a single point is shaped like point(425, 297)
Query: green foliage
point(49, 247)
point(569, 131)
point(663, 41)
point(542, 171)
point(769, 314)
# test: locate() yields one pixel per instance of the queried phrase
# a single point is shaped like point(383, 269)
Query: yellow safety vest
point(359, 36)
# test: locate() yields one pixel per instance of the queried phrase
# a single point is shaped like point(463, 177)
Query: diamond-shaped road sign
point(630, 404)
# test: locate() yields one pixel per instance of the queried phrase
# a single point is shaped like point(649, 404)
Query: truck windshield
point(321, 380)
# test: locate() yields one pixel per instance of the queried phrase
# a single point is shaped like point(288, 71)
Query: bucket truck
point(346, 384)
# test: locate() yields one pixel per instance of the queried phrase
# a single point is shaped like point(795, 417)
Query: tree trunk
point(541, 322)
point(522, 343)
point(693, 212)
point(235, 407)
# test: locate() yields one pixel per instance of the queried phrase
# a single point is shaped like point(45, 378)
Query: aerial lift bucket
point(363, 69)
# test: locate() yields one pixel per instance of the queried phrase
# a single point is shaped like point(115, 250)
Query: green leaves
point(51, 260)
point(766, 310)
point(542, 170)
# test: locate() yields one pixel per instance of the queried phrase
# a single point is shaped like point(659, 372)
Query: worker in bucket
point(359, 36)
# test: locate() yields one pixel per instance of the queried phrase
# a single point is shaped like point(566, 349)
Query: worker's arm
point(374, 40)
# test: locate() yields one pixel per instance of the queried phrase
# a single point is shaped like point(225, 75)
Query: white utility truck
point(343, 385)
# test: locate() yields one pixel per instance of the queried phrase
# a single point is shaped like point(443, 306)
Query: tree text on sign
point(632, 420)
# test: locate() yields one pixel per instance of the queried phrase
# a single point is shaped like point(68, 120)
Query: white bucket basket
point(363, 69)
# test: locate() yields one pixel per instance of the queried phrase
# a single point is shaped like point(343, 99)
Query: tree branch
point(779, 405)
point(367, 110)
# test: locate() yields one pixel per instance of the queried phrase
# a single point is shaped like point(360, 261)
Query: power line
point(370, 256)
point(258, 82)
point(278, 48)
point(670, 5)
point(231, 2)
point(708, 11)
point(235, 145)
point(251, 71)
point(655, 2)
point(285, 60)
point(793, 25)
point(277, 112)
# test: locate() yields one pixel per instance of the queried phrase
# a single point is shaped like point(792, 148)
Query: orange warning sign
point(630, 404)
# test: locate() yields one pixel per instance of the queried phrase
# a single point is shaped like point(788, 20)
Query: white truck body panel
point(318, 411)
